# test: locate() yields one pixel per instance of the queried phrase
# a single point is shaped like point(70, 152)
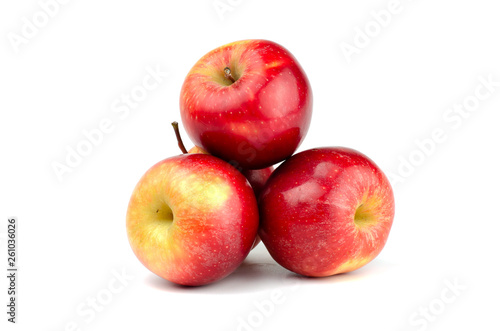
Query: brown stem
point(227, 74)
point(179, 139)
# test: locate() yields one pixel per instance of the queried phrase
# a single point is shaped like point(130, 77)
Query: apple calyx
point(164, 215)
point(365, 215)
point(228, 75)
point(175, 125)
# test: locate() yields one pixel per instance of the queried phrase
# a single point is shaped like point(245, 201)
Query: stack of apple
point(193, 218)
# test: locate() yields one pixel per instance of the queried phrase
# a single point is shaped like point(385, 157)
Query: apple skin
point(261, 118)
point(192, 219)
point(256, 178)
point(326, 211)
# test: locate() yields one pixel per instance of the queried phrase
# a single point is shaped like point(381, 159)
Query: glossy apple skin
point(258, 120)
point(309, 206)
point(192, 219)
point(256, 178)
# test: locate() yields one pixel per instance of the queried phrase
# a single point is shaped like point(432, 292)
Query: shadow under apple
point(260, 273)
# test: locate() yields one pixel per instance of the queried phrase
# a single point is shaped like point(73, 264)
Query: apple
point(192, 219)
point(326, 211)
point(248, 102)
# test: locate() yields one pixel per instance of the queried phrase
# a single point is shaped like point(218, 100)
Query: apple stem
point(227, 73)
point(179, 139)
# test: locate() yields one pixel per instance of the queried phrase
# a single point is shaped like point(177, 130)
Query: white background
point(394, 91)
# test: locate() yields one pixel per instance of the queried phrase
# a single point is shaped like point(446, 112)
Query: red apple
point(247, 102)
point(192, 219)
point(326, 211)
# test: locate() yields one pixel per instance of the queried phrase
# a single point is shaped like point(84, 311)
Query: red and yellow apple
point(326, 211)
point(248, 102)
point(192, 219)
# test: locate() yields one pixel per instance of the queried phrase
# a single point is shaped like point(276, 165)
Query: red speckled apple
point(248, 102)
point(192, 219)
point(326, 211)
